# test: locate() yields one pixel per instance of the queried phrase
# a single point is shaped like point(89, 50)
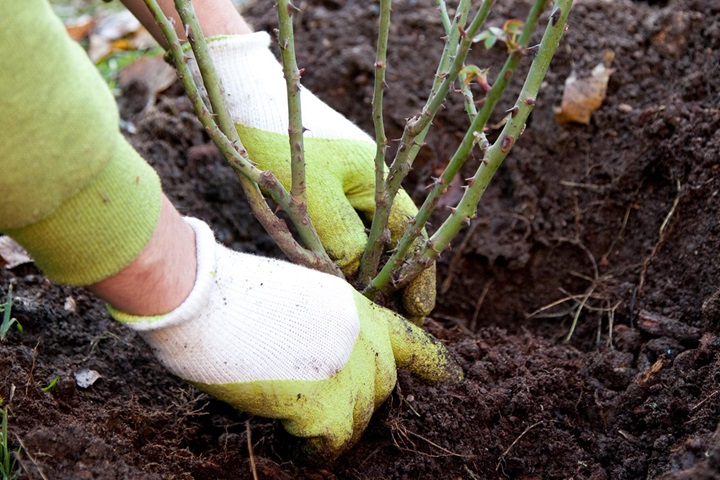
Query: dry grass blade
point(502, 457)
point(253, 468)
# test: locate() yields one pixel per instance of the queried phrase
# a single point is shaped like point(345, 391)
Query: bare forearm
point(217, 17)
point(162, 276)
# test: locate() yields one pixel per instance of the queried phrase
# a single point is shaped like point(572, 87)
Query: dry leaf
point(85, 377)
point(12, 253)
point(582, 96)
point(652, 372)
point(153, 72)
point(108, 30)
point(79, 28)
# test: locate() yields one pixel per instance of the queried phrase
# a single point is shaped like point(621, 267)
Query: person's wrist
point(161, 276)
point(216, 17)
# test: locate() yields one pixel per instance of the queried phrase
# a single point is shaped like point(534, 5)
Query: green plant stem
point(7, 467)
point(207, 68)
point(413, 136)
point(6, 470)
point(7, 320)
point(251, 177)
point(444, 17)
point(467, 206)
point(292, 74)
point(381, 235)
point(473, 136)
point(261, 210)
point(463, 9)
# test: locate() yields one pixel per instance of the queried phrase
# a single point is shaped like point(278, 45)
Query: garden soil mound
point(582, 303)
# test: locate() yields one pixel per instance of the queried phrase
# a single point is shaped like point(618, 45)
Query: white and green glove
point(282, 341)
point(339, 157)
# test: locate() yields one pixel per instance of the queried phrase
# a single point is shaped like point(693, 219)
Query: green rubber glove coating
point(333, 413)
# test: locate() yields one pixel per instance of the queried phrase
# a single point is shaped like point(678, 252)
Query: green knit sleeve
point(73, 192)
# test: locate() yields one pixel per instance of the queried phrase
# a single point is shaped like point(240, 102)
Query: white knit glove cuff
point(253, 318)
point(199, 297)
point(256, 94)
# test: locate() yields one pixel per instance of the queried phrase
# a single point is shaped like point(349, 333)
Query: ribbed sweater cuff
point(101, 229)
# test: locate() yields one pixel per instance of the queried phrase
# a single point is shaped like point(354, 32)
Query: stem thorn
point(555, 16)
point(507, 143)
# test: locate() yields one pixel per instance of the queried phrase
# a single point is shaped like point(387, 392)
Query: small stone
point(70, 305)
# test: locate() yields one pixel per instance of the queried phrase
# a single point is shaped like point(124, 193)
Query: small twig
point(31, 373)
point(587, 186)
point(250, 450)
point(579, 310)
point(32, 459)
point(501, 458)
point(447, 452)
point(626, 217)
point(661, 238)
point(472, 475)
point(701, 402)
point(586, 250)
point(611, 323)
point(478, 304)
point(372, 454)
point(411, 407)
point(553, 304)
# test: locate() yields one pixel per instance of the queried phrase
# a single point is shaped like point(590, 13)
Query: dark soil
point(615, 225)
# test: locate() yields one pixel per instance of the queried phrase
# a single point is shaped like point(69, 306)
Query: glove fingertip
point(422, 354)
point(319, 451)
point(420, 295)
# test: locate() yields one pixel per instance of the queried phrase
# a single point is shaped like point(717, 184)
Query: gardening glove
point(339, 157)
point(282, 341)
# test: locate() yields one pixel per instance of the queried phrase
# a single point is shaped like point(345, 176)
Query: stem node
point(506, 143)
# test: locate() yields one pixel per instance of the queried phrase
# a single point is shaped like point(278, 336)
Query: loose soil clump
point(582, 304)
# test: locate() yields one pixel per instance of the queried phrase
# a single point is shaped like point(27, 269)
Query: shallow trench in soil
point(613, 226)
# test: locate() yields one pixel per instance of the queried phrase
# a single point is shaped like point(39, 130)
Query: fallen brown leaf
point(582, 96)
point(12, 254)
point(152, 72)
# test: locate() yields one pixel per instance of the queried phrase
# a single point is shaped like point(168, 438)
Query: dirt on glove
point(582, 303)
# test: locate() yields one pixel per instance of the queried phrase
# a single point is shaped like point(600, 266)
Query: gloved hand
point(339, 157)
point(282, 341)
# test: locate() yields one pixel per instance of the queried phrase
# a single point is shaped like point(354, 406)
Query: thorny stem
point(467, 206)
point(508, 69)
point(251, 177)
point(473, 136)
point(292, 74)
point(371, 257)
point(444, 17)
point(463, 9)
point(207, 68)
point(296, 209)
point(414, 134)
